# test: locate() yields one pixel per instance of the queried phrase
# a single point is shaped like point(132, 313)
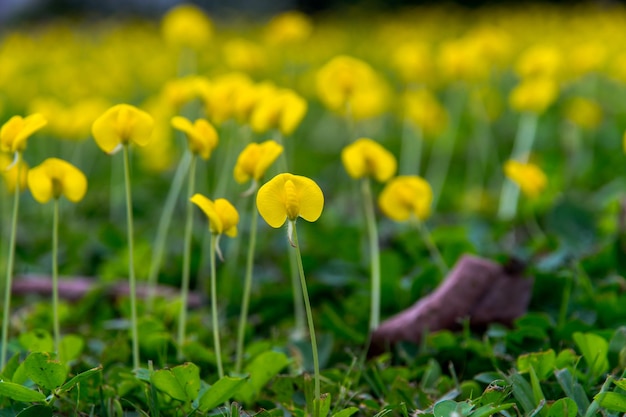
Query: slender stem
point(9, 276)
point(309, 316)
point(55, 277)
point(163, 226)
point(299, 313)
point(216, 329)
point(522, 147)
point(372, 232)
point(247, 286)
point(131, 261)
point(432, 247)
point(411, 142)
point(184, 289)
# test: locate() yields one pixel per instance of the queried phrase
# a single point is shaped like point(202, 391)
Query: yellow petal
point(201, 135)
point(270, 151)
point(208, 207)
point(366, 157)
point(55, 177)
point(406, 196)
point(294, 110)
point(289, 196)
point(121, 125)
point(17, 130)
point(255, 159)
point(528, 176)
point(228, 215)
point(270, 201)
point(9, 172)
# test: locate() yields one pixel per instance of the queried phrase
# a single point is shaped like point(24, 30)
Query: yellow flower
point(201, 135)
point(423, 109)
point(349, 83)
point(16, 131)
point(528, 176)
point(413, 61)
point(406, 196)
point(9, 170)
point(255, 159)
point(288, 196)
point(624, 142)
point(583, 112)
point(186, 25)
point(243, 55)
point(534, 94)
point(55, 177)
point(223, 216)
point(288, 27)
point(283, 110)
point(221, 98)
point(366, 157)
point(121, 125)
point(539, 61)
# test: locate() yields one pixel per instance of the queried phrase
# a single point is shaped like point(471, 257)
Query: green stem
point(299, 313)
point(9, 276)
point(163, 226)
point(521, 149)
point(131, 261)
point(372, 232)
point(216, 329)
point(247, 286)
point(55, 278)
point(309, 316)
point(432, 247)
point(411, 145)
point(184, 289)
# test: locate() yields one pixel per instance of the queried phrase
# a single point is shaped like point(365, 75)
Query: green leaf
point(79, 378)
point(262, 369)
point(595, 350)
point(37, 410)
point(38, 340)
point(537, 392)
point(572, 389)
point(621, 383)
point(181, 382)
point(489, 410)
point(346, 412)
point(542, 362)
point(44, 371)
point(20, 393)
point(323, 404)
point(564, 407)
point(220, 392)
point(612, 401)
point(448, 407)
point(71, 347)
point(522, 391)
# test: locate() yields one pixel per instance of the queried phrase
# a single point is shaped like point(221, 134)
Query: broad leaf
point(565, 407)
point(44, 371)
point(181, 382)
point(20, 393)
point(346, 412)
point(220, 392)
point(448, 407)
point(612, 401)
point(542, 362)
point(262, 369)
point(595, 350)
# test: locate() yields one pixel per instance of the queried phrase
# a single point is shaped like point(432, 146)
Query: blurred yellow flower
point(221, 98)
point(539, 61)
point(423, 109)
point(288, 196)
point(250, 95)
point(528, 176)
point(534, 95)
point(121, 125)
point(255, 159)
point(186, 25)
point(583, 112)
point(223, 216)
point(181, 91)
point(288, 27)
point(9, 170)
point(406, 197)
point(16, 131)
point(71, 122)
point(347, 84)
point(54, 178)
point(244, 55)
point(413, 61)
point(463, 59)
point(366, 157)
point(282, 110)
point(201, 135)
point(587, 57)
